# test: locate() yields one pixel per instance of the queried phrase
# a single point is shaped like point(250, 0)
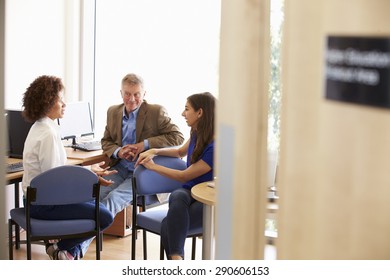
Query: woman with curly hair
point(43, 149)
point(199, 149)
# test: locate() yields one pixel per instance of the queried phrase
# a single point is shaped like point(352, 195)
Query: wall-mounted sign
point(358, 70)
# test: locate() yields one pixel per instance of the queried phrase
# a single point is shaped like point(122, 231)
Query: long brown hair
point(205, 128)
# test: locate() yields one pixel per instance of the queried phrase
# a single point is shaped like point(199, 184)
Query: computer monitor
point(18, 129)
point(77, 121)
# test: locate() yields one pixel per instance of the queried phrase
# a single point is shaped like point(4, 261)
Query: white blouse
point(43, 150)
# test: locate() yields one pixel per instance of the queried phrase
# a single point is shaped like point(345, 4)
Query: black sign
point(358, 70)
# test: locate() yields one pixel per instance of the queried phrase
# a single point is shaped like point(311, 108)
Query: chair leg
point(133, 225)
point(161, 250)
point(28, 241)
point(10, 241)
point(193, 248)
point(145, 246)
point(98, 245)
point(101, 241)
point(17, 236)
point(133, 239)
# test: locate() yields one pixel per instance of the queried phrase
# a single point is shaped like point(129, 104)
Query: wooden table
point(86, 158)
point(14, 178)
point(207, 195)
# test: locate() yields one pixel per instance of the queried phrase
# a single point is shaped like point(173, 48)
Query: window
point(276, 20)
point(172, 44)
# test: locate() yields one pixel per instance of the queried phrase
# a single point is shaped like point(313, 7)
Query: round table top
point(203, 193)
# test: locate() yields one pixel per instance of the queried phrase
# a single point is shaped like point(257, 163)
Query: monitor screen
point(77, 120)
point(18, 129)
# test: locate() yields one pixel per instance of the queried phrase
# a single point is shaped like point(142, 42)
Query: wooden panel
point(242, 114)
point(122, 223)
point(333, 176)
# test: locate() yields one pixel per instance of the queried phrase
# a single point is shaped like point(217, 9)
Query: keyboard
point(88, 146)
point(14, 167)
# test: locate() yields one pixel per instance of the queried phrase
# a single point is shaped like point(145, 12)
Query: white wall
point(35, 45)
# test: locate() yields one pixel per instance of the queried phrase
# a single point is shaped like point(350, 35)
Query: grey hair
point(133, 79)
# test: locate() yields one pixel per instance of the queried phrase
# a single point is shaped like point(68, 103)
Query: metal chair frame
point(141, 189)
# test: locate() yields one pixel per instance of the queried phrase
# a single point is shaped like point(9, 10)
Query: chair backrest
point(150, 182)
point(66, 184)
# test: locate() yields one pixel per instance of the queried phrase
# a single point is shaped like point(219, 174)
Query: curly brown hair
point(205, 128)
point(40, 97)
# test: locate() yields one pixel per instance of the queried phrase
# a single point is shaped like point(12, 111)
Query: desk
point(86, 158)
point(16, 177)
point(207, 196)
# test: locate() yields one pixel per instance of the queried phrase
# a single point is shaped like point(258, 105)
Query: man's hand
point(130, 151)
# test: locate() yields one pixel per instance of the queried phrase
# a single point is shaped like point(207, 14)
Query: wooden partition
point(242, 113)
point(334, 182)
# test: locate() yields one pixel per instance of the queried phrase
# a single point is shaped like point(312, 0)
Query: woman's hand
point(148, 164)
point(97, 168)
point(104, 182)
point(100, 171)
point(145, 157)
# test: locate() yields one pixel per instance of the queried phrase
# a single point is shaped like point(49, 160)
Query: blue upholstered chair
point(147, 182)
point(58, 186)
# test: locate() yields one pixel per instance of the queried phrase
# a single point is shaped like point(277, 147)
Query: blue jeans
point(117, 196)
point(73, 211)
point(184, 212)
point(120, 194)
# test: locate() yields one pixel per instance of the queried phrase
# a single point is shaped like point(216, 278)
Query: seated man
point(132, 127)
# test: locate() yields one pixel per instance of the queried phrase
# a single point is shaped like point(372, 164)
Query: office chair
point(147, 182)
point(66, 184)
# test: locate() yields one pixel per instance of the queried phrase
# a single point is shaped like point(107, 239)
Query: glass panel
point(276, 22)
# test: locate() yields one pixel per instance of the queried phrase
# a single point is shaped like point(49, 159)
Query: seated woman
point(199, 149)
point(43, 149)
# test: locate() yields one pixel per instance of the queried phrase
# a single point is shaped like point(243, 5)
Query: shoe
point(51, 249)
point(63, 255)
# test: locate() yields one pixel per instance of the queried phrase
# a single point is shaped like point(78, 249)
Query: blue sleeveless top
point(207, 156)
